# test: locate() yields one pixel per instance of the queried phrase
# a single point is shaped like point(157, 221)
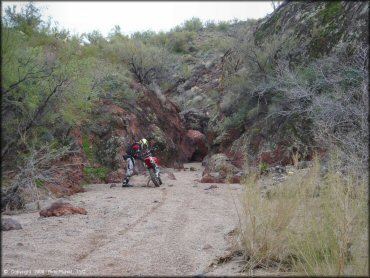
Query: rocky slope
point(184, 121)
point(297, 33)
point(103, 140)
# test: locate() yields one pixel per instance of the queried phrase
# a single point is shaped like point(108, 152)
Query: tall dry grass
point(311, 224)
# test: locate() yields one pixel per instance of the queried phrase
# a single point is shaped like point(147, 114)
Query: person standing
point(133, 152)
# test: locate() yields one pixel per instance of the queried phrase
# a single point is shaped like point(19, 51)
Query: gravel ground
point(179, 228)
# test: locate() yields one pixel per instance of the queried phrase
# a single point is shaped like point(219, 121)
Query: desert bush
point(332, 93)
point(36, 168)
point(216, 43)
point(95, 37)
point(94, 174)
point(223, 25)
point(227, 104)
point(147, 63)
point(311, 224)
point(145, 36)
point(160, 39)
point(194, 25)
point(180, 42)
point(210, 24)
point(191, 25)
point(186, 69)
point(237, 119)
point(115, 85)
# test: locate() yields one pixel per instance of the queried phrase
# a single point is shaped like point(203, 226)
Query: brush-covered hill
point(291, 84)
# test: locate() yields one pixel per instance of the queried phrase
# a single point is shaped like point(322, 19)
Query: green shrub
point(223, 25)
point(180, 42)
point(252, 113)
point(92, 174)
point(39, 183)
point(331, 12)
point(264, 168)
point(186, 71)
point(194, 24)
point(235, 120)
point(86, 147)
point(210, 24)
point(216, 43)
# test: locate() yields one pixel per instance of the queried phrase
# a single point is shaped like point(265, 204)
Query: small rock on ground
point(8, 224)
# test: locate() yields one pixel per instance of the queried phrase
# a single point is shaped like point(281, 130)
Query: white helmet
point(144, 143)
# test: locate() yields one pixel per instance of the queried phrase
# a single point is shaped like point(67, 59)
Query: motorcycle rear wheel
point(154, 178)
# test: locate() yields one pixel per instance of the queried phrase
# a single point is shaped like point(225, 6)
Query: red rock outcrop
point(280, 155)
point(200, 145)
point(60, 208)
point(179, 147)
point(237, 158)
point(68, 173)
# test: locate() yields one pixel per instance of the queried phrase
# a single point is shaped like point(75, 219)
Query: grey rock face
point(195, 119)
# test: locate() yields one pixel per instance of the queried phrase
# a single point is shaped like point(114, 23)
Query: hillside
point(263, 95)
point(274, 110)
point(251, 91)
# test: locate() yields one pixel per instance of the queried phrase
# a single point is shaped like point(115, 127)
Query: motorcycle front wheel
point(157, 182)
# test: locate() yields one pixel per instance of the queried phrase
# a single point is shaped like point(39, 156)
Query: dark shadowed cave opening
point(197, 156)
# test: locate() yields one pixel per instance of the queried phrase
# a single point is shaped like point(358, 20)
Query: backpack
point(132, 149)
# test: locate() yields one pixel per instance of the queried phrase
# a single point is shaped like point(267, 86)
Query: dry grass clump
point(310, 224)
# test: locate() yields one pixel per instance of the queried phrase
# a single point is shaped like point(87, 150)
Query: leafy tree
point(95, 37)
point(145, 36)
point(146, 63)
point(180, 42)
point(45, 84)
point(28, 20)
point(194, 24)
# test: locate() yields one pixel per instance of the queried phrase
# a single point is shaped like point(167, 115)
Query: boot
point(125, 183)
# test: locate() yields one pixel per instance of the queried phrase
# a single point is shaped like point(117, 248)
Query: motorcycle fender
point(149, 163)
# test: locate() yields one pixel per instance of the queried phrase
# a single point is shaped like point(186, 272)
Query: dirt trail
point(179, 228)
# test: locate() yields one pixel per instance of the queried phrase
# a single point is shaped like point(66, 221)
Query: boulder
point(59, 208)
point(208, 178)
point(219, 169)
point(200, 145)
point(8, 224)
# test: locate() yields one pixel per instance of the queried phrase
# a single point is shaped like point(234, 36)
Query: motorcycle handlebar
point(150, 151)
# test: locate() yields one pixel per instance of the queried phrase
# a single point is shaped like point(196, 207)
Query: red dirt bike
point(151, 163)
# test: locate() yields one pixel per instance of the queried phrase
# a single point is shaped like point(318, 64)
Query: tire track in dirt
point(176, 236)
point(96, 240)
point(143, 217)
point(178, 230)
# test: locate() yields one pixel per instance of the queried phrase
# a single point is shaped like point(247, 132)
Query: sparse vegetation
point(37, 168)
point(263, 167)
point(93, 174)
point(308, 225)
